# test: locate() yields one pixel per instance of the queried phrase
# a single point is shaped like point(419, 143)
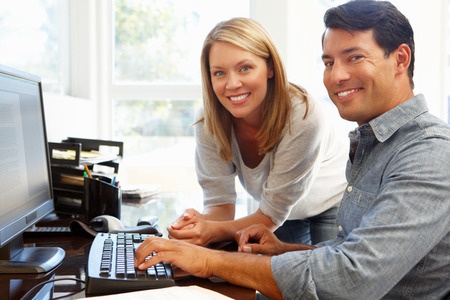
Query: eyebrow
point(345, 51)
point(241, 62)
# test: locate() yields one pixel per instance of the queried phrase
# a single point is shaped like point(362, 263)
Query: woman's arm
point(222, 212)
point(194, 228)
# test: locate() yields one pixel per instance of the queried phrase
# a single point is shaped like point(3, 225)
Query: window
point(32, 39)
point(156, 84)
point(159, 41)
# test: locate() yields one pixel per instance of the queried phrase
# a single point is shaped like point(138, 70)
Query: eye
point(218, 73)
point(245, 68)
point(356, 58)
point(328, 64)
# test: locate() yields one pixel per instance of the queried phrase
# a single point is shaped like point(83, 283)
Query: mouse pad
point(79, 227)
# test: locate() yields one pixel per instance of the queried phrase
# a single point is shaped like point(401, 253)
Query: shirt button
point(340, 228)
point(349, 188)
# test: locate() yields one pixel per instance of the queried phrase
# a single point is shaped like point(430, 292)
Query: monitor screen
point(25, 179)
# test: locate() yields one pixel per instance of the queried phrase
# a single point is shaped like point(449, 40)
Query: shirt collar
point(387, 124)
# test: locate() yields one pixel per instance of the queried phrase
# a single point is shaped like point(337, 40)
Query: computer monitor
point(25, 178)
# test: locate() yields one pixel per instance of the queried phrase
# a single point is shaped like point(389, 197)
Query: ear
point(270, 72)
point(403, 58)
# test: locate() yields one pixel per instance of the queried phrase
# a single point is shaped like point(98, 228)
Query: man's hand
point(188, 257)
point(260, 240)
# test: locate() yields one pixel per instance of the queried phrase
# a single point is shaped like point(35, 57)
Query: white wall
point(297, 26)
point(429, 20)
point(69, 116)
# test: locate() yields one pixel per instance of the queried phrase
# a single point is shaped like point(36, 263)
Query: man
point(393, 238)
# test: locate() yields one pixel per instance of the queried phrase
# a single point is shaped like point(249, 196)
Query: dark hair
point(390, 27)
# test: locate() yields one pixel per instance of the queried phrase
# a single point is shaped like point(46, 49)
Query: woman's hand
point(191, 227)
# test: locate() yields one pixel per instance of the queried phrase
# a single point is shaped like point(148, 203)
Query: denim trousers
point(311, 230)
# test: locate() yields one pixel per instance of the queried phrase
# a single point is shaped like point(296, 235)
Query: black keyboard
point(47, 230)
point(111, 266)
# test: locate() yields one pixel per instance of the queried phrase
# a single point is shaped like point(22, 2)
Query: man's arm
point(248, 270)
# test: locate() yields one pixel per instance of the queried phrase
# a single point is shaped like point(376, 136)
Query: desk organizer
point(68, 159)
point(101, 197)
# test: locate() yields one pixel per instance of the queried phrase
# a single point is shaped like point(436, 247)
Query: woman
point(268, 132)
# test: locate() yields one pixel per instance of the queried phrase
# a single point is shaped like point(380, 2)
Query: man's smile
point(347, 92)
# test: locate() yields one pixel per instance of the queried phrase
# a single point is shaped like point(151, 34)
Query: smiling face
point(360, 80)
point(239, 80)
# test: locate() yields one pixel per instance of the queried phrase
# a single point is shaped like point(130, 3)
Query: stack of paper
point(173, 293)
point(136, 194)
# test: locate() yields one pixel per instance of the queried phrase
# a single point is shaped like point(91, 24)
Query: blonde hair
point(276, 108)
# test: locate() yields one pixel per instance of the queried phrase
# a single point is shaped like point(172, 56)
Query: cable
point(50, 281)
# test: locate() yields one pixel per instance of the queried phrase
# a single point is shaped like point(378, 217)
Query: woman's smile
point(239, 98)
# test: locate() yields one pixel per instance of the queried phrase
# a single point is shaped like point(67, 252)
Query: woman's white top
point(303, 176)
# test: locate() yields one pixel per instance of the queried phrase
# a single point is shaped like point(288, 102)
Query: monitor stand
point(15, 258)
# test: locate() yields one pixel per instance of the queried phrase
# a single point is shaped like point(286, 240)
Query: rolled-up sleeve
point(215, 176)
point(394, 220)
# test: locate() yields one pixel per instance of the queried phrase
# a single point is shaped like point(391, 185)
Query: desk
point(74, 266)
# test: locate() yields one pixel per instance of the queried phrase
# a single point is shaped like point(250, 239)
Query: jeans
point(309, 231)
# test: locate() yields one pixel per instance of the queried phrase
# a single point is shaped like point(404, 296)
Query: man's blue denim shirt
point(393, 224)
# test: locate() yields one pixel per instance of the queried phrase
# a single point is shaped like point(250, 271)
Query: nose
point(339, 73)
point(233, 82)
